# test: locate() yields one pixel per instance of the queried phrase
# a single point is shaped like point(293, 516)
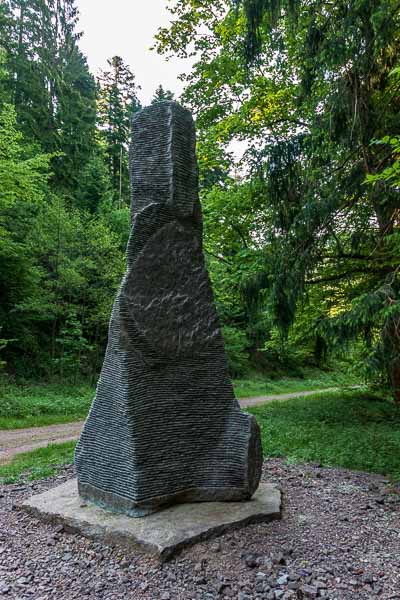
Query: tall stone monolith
point(165, 426)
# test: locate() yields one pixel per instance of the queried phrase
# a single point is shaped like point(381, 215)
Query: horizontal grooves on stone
point(165, 423)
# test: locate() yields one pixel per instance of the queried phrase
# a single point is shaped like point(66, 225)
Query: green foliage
point(38, 464)
point(94, 185)
point(343, 429)
point(49, 83)
point(62, 253)
point(236, 344)
point(160, 95)
point(64, 265)
point(33, 405)
point(117, 102)
point(304, 88)
point(391, 173)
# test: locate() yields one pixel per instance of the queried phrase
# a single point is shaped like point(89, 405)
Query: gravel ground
point(339, 539)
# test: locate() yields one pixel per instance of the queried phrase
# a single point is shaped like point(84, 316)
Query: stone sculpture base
point(163, 533)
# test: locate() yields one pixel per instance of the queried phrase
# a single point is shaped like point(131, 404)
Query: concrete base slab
point(162, 533)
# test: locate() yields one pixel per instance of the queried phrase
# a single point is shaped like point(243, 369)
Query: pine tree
point(117, 102)
point(160, 94)
point(52, 90)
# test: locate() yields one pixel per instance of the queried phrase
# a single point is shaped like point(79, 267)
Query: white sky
point(126, 28)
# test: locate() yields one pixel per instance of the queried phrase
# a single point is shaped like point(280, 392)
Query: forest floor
point(17, 441)
point(338, 539)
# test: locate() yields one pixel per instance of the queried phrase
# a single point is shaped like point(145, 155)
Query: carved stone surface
point(165, 426)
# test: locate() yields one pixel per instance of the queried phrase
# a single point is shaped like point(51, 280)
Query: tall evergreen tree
point(160, 94)
point(117, 102)
point(52, 90)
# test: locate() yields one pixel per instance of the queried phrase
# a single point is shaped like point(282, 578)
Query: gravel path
point(24, 440)
point(339, 539)
point(262, 399)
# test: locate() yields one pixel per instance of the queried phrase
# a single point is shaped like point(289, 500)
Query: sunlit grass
point(313, 380)
point(350, 429)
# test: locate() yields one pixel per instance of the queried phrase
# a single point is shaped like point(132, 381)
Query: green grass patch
point(313, 380)
point(34, 405)
point(30, 405)
point(38, 464)
point(348, 429)
point(344, 429)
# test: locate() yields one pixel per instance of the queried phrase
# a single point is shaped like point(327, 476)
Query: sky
point(126, 28)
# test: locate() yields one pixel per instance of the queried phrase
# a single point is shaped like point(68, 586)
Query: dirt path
point(24, 440)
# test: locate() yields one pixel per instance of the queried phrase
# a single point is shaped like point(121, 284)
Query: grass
point(313, 379)
point(34, 405)
point(350, 429)
point(38, 464)
point(30, 405)
point(344, 429)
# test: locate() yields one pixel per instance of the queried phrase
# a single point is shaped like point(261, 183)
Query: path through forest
point(16, 441)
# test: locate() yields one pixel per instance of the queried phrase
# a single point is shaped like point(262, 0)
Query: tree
point(23, 188)
point(59, 265)
point(160, 94)
point(307, 88)
point(51, 88)
point(94, 186)
point(117, 102)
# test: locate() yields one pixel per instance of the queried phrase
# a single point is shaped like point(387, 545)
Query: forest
point(297, 108)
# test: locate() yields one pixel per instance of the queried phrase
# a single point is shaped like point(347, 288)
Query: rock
point(293, 585)
point(265, 562)
point(164, 532)
point(58, 528)
point(5, 589)
point(279, 559)
point(166, 596)
point(164, 323)
point(251, 561)
point(309, 591)
point(282, 580)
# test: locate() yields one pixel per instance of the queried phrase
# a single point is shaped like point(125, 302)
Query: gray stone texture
point(161, 534)
point(165, 426)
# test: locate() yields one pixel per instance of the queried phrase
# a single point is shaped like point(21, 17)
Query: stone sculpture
point(165, 426)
